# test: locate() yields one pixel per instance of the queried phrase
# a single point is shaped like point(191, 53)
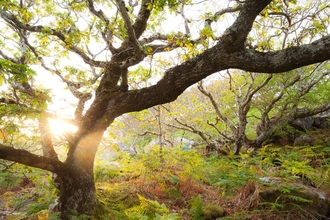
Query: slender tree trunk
point(160, 137)
point(238, 146)
point(240, 138)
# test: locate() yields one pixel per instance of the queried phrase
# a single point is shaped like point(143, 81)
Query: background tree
point(298, 97)
point(264, 105)
point(254, 108)
point(103, 41)
point(244, 90)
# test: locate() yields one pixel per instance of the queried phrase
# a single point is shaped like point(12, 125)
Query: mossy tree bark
point(75, 174)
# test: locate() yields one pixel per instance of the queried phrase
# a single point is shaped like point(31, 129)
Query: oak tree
point(96, 49)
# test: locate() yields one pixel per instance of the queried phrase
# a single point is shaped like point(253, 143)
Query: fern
point(196, 208)
point(147, 209)
point(298, 199)
point(272, 205)
point(286, 189)
point(140, 209)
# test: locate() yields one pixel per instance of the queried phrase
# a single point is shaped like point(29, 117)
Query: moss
point(211, 211)
point(116, 199)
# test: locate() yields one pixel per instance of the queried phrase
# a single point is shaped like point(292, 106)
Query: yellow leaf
point(43, 215)
point(3, 135)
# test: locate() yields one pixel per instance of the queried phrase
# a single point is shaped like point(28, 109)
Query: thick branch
point(180, 77)
point(29, 159)
point(129, 28)
point(283, 60)
point(185, 19)
point(7, 57)
point(8, 101)
point(242, 26)
point(141, 21)
point(152, 38)
point(315, 111)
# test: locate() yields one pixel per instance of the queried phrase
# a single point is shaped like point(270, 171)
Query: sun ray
point(59, 127)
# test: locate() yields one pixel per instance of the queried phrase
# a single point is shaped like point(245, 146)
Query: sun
point(59, 127)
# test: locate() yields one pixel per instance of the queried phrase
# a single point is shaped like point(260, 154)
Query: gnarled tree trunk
point(75, 175)
point(77, 193)
point(76, 185)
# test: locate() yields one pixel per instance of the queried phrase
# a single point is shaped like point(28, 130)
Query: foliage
point(33, 191)
point(87, 63)
point(184, 163)
point(231, 173)
point(250, 107)
point(211, 211)
point(299, 161)
point(146, 210)
point(158, 187)
point(105, 172)
point(8, 180)
point(13, 72)
point(196, 208)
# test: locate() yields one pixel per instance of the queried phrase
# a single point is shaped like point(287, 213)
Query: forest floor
point(275, 182)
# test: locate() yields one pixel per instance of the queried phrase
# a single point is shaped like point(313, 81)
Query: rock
point(111, 152)
point(304, 124)
point(113, 164)
point(304, 140)
point(130, 150)
point(184, 143)
point(312, 200)
point(322, 122)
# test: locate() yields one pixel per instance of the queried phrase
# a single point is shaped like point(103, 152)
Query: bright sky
point(64, 102)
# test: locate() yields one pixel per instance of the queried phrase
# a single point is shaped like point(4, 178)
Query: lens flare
point(59, 127)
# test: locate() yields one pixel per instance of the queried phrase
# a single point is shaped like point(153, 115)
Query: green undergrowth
point(27, 192)
point(191, 186)
point(185, 184)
